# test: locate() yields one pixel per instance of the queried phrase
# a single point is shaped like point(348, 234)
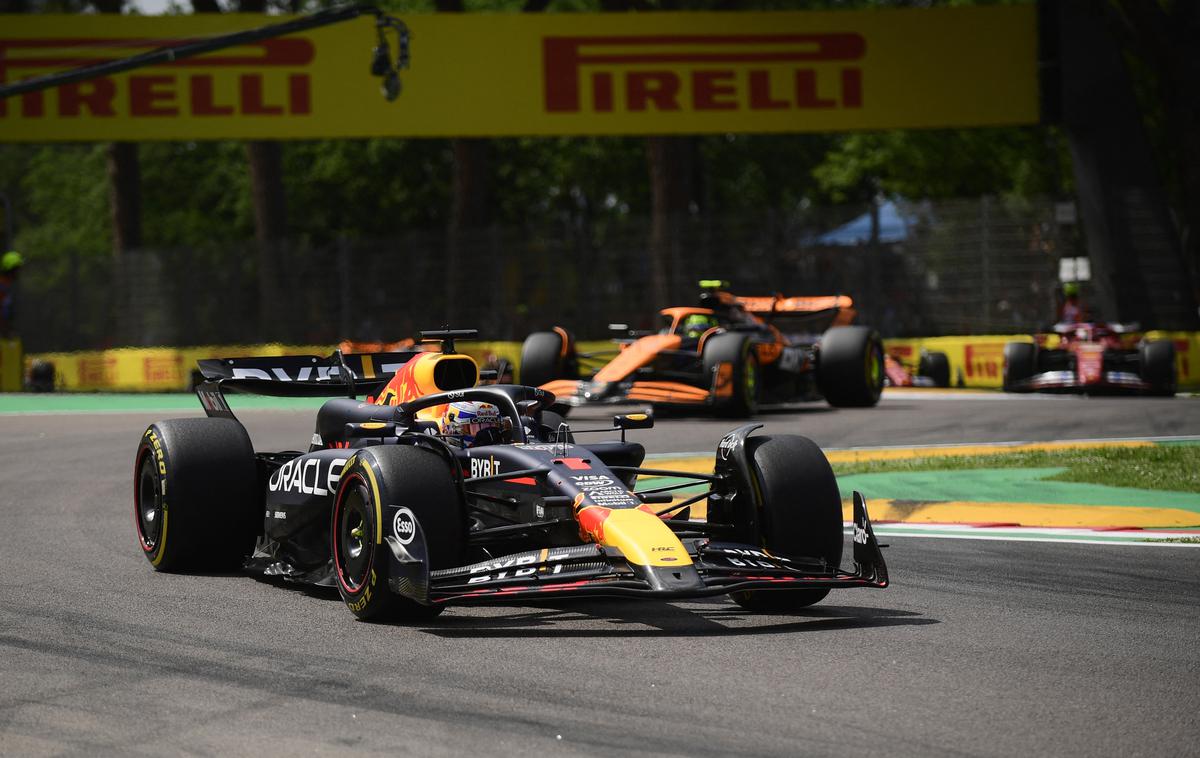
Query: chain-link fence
point(953, 267)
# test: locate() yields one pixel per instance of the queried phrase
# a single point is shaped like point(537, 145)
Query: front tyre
point(801, 513)
point(374, 483)
point(730, 357)
point(936, 366)
point(1020, 364)
point(1156, 365)
point(850, 366)
point(196, 497)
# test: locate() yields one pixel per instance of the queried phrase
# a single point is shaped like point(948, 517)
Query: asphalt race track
point(978, 648)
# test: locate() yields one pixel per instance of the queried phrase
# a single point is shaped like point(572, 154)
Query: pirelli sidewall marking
point(159, 453)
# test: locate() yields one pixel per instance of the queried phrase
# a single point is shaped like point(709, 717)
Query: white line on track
point(1141, 538)
point(1006, 443)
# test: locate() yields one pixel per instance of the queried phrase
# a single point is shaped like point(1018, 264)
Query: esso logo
point(404, 526)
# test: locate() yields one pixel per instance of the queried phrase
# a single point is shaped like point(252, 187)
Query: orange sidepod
point(641, 536)
point(562, 387)
point(636, 355)
point(667, 392)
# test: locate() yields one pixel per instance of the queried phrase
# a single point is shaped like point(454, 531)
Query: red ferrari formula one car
point(1091, 357)
point(730, 354)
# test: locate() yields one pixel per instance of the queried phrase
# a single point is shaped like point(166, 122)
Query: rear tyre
point(738, 398)
point(546, 356)
point(850, 366)
point(1157, 367)
point(42, 376)
point(801, 514)
point(196, 496)
point(414, 478)
point(936, 366)
point(1020, 363)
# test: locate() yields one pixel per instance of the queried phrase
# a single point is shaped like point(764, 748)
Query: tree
point(124, 179)
point(264, 162)
point(1161, 35)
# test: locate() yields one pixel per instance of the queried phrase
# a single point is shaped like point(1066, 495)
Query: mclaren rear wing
point(337, 375)
point(831, 310)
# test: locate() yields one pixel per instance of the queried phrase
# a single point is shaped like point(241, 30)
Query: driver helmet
point(469, 423)
point(11, 261)
point(697, 324)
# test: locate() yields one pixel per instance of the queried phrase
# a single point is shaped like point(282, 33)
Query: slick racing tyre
point(1020, 364)
point(420, 481)
point(936, 366)
point(850, 366)
point(1156, 365)
point(801, 513)
point(546, 356)
point(736, 388)
point(196, 497)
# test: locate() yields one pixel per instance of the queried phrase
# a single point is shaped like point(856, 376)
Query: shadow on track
point(714, 617)
point(664, 619)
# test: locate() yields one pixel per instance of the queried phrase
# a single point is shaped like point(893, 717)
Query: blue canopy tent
point(893, 227)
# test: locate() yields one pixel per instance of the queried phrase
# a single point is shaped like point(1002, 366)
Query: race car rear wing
point(780, 304)
point(337, 375)
point(805, 314)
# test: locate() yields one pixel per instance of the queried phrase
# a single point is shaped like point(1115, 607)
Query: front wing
point(1068, 380)
point(717, 568)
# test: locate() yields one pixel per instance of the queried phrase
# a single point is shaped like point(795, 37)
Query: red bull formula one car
point(406, 517)
point(730, 354)
point(1091, 357)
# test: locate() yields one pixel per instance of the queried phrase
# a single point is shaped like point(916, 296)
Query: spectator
point(10, 268)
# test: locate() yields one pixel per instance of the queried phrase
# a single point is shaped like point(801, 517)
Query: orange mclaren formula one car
point(730, 354)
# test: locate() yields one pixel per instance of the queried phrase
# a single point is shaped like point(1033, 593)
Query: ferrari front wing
point(1069, 380)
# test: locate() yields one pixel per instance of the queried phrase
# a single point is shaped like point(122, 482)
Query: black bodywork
point(522, 499)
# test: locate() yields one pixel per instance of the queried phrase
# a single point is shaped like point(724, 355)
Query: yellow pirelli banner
point(532, 74)
point(974, 361)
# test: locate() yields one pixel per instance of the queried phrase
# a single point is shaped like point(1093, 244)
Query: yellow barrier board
point(170, 369)
point(12, 365)
point(150, 369)
point(979, 361)
point(974, 361)
point(485, 74)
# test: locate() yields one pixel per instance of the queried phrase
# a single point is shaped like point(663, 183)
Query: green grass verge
point(1163, 467)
